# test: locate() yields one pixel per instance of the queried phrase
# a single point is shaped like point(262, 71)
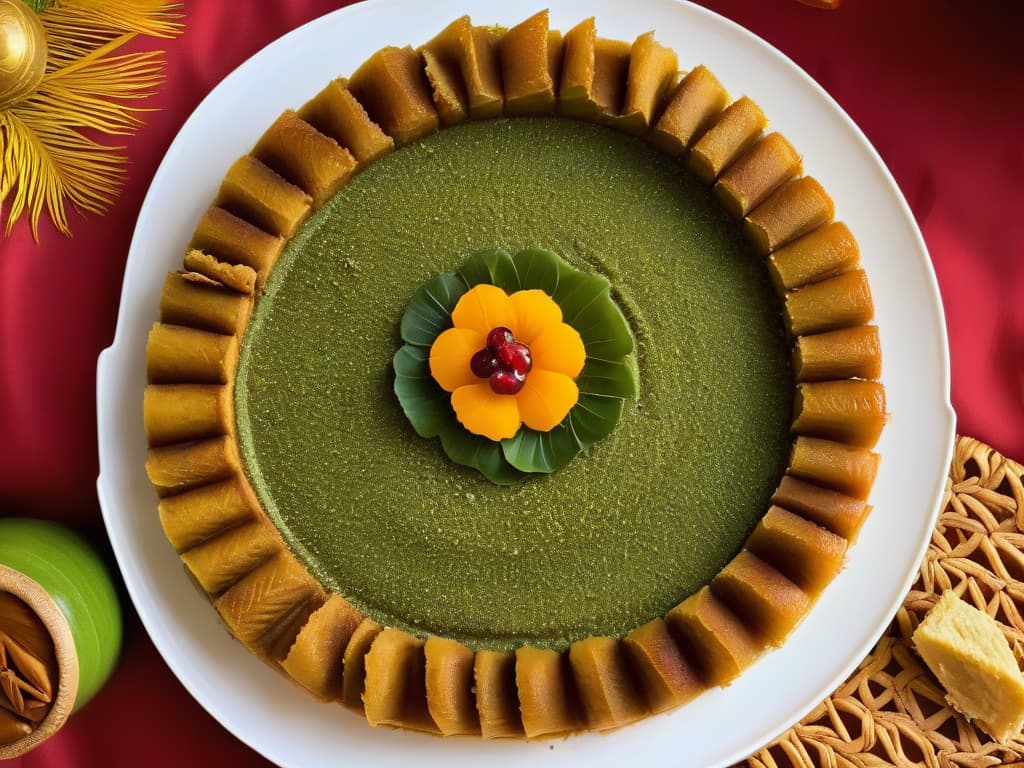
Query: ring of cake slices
point(279, 611)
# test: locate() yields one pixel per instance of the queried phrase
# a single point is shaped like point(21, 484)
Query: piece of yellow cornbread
point(967, 652)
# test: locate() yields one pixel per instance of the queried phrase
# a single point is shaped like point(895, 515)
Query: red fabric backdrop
point(936, 87)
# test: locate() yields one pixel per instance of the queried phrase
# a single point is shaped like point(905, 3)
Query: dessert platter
point(518, 378)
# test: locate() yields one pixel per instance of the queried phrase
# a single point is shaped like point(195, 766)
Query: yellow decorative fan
point(61, 82)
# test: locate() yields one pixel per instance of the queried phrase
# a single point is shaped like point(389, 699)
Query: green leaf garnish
point(429, 312)
point(605, 334)
point(424, 402)
point(538, 269)
point(492, 267)
point(545, 452)
point(478, 452)
point(594, 417)
point(608, 379)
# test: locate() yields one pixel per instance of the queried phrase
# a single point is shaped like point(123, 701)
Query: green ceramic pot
point(72, 574)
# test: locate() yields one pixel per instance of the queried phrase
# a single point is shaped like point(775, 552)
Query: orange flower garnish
point(549, 391)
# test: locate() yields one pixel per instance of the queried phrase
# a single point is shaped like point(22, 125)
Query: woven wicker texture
point(892, 712)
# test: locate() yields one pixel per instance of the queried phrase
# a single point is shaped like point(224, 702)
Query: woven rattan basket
point(892, 712)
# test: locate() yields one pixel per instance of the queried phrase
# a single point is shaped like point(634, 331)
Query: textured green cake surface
point(631, 526)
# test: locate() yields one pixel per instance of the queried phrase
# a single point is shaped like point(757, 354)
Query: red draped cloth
point(937, 87)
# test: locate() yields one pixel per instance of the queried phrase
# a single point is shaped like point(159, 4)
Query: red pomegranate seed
point(483, 363)
point(499, 337)
point(506, 382)
point(515, 357)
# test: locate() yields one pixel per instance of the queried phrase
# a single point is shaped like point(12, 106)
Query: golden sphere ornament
point(22, 51)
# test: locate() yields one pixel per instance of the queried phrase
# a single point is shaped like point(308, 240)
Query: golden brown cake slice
point(714, 636)
point(310, 160)
point(194, 516)
point(594, 72)
point(838, 512)
point(607, 689)
point(198, 301)
point(757, 173)
point(969, 655)
point(449, 89)
point(611, 68)
point(482, 70)
point(394, 91)
point(316, 659)
point(849, 410)
point(825, 252)
point(798, 207)
point(237, 277)
point(693, 106)
point(769, 604)
point(450, 698)
point(176, 354)
point(338, 114)
point(353, 679)
point(219, 562)
point(180, 467)
point(266, 609)
point(807, 554)
point(396, 692)
point(577, 69)
point(177, 413)
point(466, 60)
point(547, 701)
point(845, 468)
point(733, 131)
point(846, 353)
point(229, 238)
point(838, 302)
point(652, 73)
point(494, 675)
point(530, 66)
point(526, 66)
point(666, 677)
point(259, 194)
point(442, 59)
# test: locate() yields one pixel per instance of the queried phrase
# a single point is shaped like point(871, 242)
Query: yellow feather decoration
point(47, 156)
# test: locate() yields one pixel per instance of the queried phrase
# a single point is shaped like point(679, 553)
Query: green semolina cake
point(644, 518)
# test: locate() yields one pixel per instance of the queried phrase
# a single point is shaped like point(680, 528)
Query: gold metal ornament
point(64, 79)
point(22, 51)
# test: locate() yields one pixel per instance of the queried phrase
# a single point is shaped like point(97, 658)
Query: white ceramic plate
point(265, 710)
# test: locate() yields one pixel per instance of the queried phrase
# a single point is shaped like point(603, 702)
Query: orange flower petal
point(484, 412)
point(535, 311)
point(450, 355)
point(483, 308)
point(560, 349)
point(545, 399)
